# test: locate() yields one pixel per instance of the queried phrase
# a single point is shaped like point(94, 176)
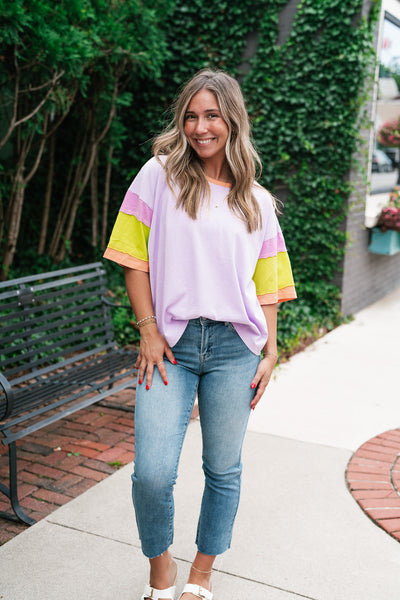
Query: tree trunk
point(65, 242)
point(47, 198)
point(94, 197)
point(106, 201)
point(13, 222)
point(1, 217)
point(86, 167)
point(73, 180)
point(14, 211)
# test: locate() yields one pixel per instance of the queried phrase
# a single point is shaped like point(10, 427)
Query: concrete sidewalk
point(299, 532)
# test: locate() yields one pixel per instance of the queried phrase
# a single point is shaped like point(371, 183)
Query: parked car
point(381, 163)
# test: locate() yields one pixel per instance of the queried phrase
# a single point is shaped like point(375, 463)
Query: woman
point(205, 266)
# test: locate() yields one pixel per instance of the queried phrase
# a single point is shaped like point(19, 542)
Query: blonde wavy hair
point(183, 167)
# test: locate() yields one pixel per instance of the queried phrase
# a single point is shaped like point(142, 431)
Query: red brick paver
point(63, 460)
point(373, 478)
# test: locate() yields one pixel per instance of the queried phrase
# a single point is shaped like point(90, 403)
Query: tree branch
point(37, 88)
point(39, 106)
point(14, 123)
point(15, 104)
point(39, 154)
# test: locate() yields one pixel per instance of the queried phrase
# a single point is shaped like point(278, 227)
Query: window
point(385, 172)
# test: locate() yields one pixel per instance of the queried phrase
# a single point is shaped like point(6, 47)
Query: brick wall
point(365, 277)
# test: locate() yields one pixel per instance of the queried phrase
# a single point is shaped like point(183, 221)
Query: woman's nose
point(201, 125)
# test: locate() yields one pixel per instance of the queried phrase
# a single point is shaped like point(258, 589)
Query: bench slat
point(90, 373)
point(91, 267)
point(12, 437)
point(54, 329)
point(57, 354)
point(66, 361)
point(113, 368)
point(57, 313)
point(86, 345)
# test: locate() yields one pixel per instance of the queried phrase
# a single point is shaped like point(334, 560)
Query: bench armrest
point(5, 384)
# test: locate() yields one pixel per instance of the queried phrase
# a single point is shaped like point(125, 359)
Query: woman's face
point(205, 128)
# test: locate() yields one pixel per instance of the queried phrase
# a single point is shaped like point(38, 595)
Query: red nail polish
point(147, 387)
point(166, 382)
point(175, 363)
point(253, 407)
point(253, 385)
point(140, 382)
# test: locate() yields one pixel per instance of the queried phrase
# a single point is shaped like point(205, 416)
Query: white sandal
point(149, 592)
point(154, 594)
point(198, 591)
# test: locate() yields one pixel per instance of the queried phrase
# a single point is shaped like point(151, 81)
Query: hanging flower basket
point(384, 242)
point(390, 215)
point(385, 238)
point(389, 134)
point(389, 219)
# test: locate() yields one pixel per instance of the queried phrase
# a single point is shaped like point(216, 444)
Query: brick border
point(373, 479)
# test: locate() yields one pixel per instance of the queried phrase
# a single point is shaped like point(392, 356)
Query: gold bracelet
point(139, 323)
point(148, 323)
point(271, 354)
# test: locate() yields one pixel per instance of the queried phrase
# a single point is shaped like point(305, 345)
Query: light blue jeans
point(216, 364)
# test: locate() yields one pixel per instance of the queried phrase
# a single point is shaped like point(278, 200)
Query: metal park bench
point(57, 355)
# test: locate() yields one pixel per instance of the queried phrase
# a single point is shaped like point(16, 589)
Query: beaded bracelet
point(139, 323)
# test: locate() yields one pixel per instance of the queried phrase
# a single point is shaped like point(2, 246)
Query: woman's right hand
point(153, 347)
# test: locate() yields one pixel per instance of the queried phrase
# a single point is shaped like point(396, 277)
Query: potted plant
point(385, 237)
point(389, 136)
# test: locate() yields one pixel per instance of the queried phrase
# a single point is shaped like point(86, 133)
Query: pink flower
point(389, 133)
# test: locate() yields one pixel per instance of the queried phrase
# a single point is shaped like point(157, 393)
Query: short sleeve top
point(208, 267)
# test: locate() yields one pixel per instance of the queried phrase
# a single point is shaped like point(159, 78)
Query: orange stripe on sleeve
point(126, 260)
point(287, 293)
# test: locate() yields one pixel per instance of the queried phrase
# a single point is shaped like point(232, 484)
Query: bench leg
point(12, 492)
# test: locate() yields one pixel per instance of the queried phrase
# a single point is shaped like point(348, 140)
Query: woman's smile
point(205, 129)
point(204, 142)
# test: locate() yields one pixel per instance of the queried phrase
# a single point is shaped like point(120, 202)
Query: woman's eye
point(213, 116)
point(189, 117)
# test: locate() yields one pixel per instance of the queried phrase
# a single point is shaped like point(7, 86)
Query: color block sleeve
point(273, 274)
point(128, 245)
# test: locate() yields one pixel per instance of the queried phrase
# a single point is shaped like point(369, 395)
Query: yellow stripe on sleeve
point(273, 274)
point(130, 237)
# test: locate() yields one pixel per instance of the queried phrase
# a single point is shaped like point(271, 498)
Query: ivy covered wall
point(303, 67)
point(365, 277)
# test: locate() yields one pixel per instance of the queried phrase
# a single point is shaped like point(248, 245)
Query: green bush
point(305, 96)
point(304, 99)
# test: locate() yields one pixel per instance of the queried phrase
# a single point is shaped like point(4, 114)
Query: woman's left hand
point(262, 377)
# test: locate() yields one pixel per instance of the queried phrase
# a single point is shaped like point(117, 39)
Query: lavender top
point(209, 267)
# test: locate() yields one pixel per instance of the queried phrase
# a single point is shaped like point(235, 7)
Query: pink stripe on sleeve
point(133, 205)
point(272, 246)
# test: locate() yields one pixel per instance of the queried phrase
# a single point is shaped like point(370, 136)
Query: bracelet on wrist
point(146, 320)
point(149, 322)
point(270, 354)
